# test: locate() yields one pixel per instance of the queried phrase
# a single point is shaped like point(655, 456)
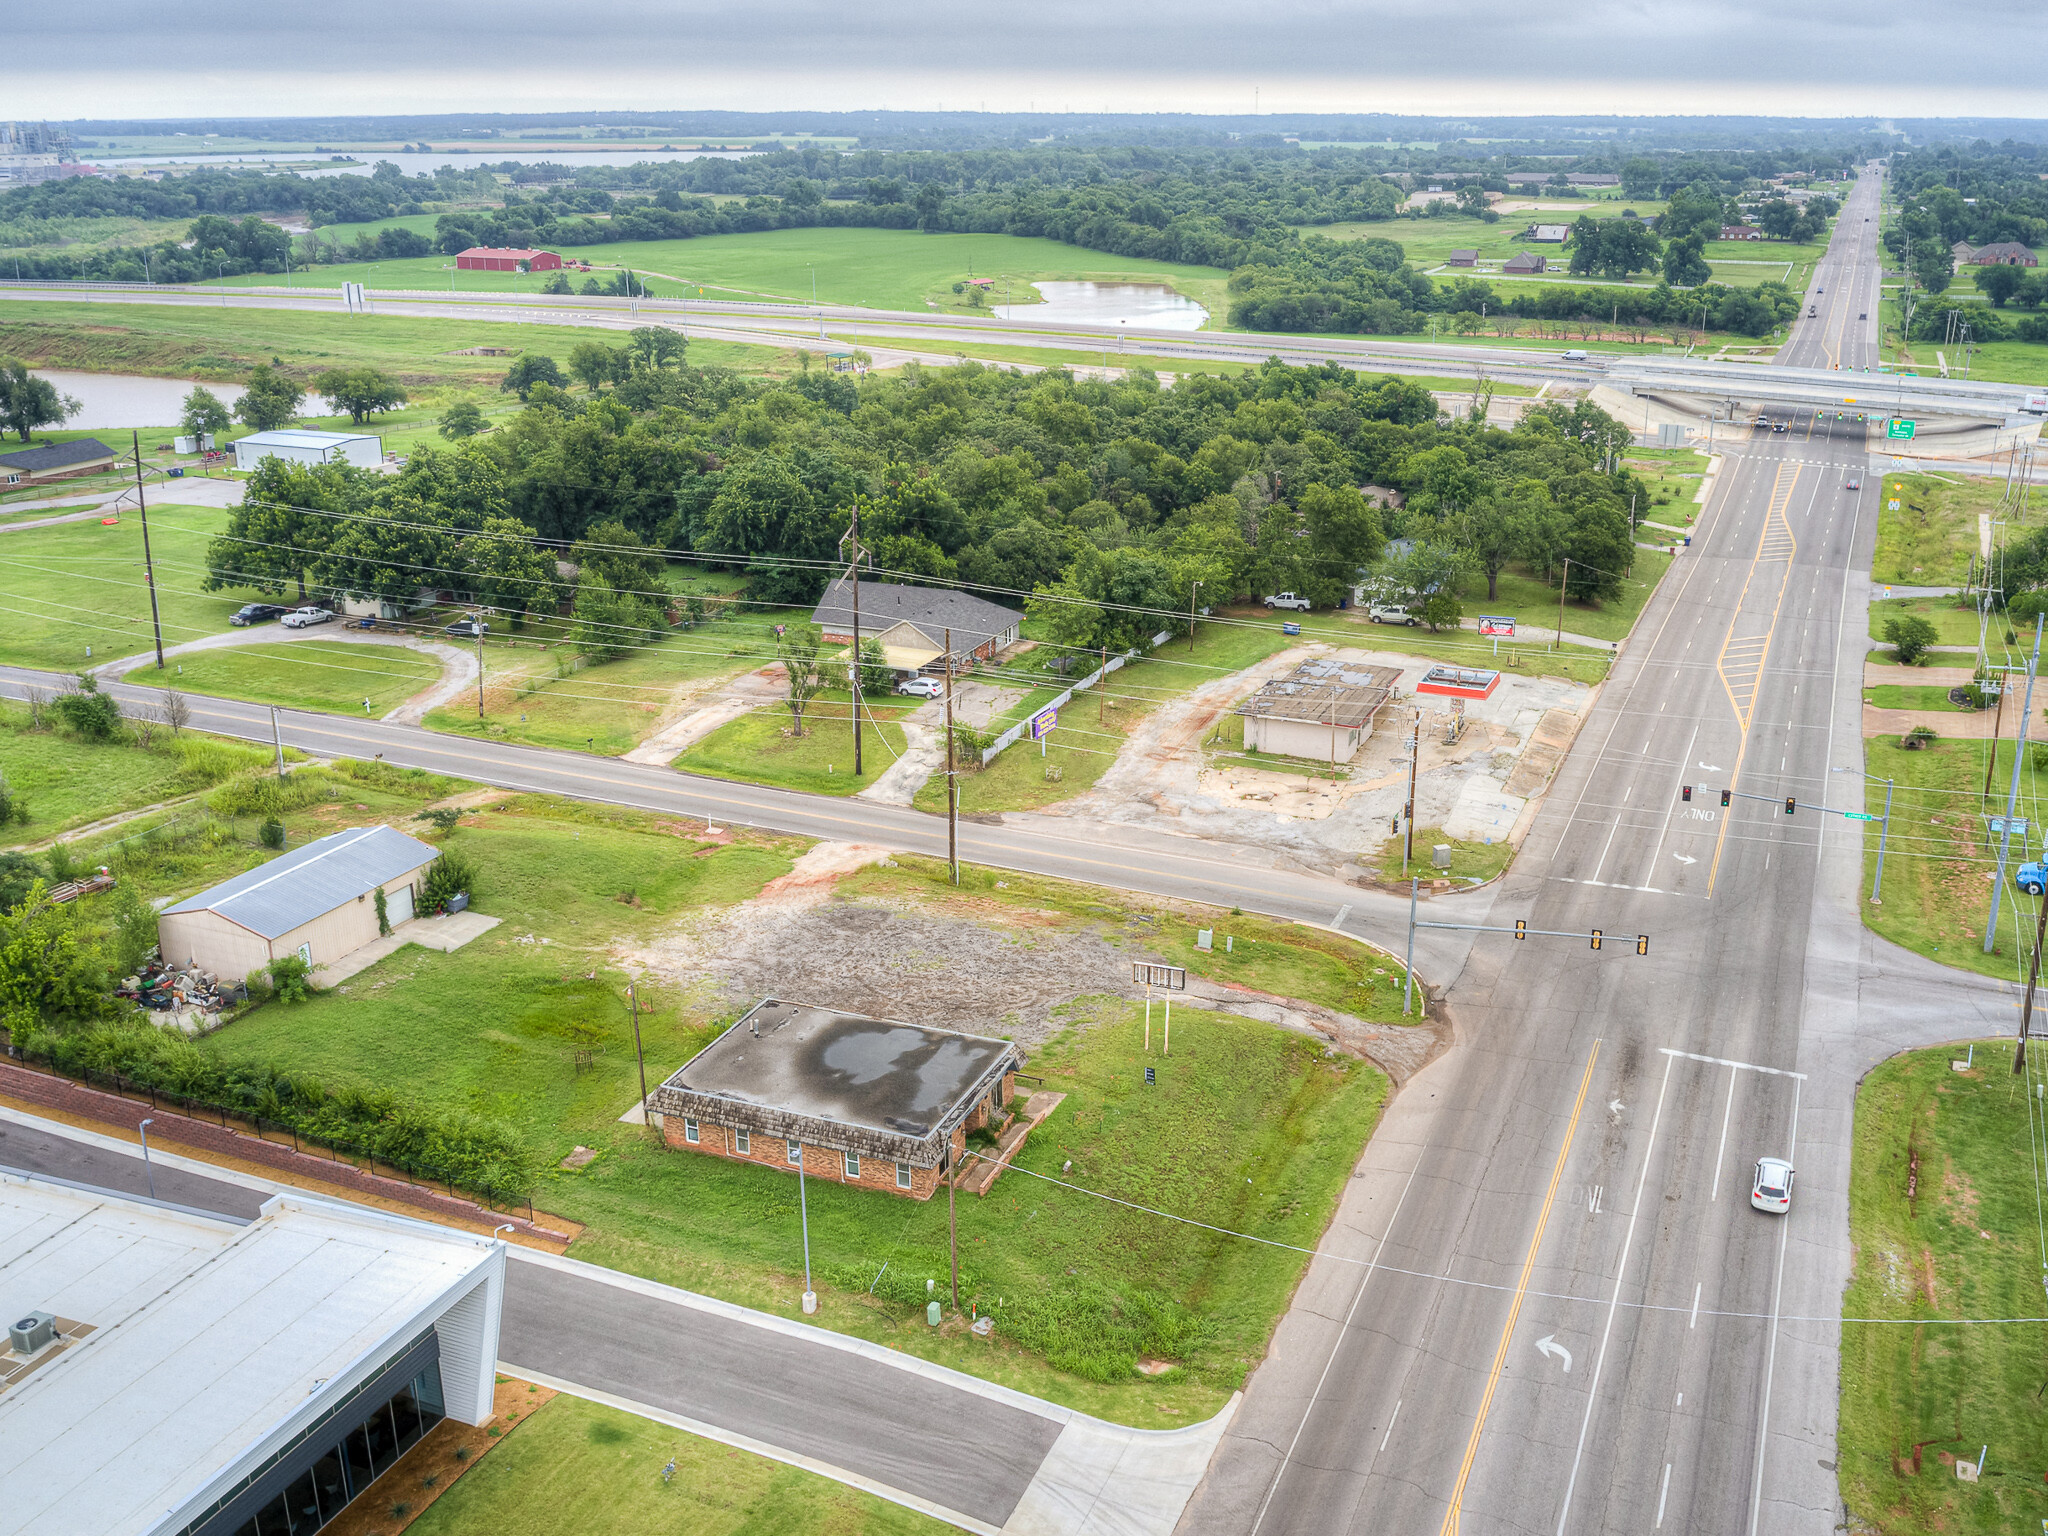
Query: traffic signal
point(1596, 938)
point(1727, 795)
point(1685, 793)
point(1521, 928)
point(1642, 943)
point(1791, 805)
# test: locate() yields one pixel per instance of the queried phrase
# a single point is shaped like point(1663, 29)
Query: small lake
point(127, 400)
point(417, 164)
point(1151, 305)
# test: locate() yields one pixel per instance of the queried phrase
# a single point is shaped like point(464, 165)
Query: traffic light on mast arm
point(1791, 805)
point(1727, 795)
point(1685, 793)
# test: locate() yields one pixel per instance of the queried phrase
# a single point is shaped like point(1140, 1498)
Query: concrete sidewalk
point(446, 932)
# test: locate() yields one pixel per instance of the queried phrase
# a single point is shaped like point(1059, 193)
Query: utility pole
point(277, 738)
point(804, 1214)
point(633, 1003)
point(1191, 616)
point(953, 1229)
point(1563, 582)
point(2019, 1055)
point(1102, 686)
point(2012, 799)
point(1997, 732)
point(952, 778)
point(477, 620)
point(148, 565)
point(1408, 811)
point(851, 551)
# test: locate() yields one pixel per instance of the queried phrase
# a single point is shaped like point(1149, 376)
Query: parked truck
point(1287, 600)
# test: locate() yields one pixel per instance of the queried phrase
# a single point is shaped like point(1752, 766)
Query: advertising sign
point(1043, 722)
point(1497, 625)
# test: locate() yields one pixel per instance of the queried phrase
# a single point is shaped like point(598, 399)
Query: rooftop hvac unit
point(32, 1332)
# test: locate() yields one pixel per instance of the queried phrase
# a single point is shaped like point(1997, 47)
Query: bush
point(1442, 612)
point(450, 873)
point(92, 714)
point(288, 978)
point(383, 914)
point(1910, 636)
point(271, 833)
point(262, 793)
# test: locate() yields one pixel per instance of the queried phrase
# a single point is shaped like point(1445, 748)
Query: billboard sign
point(1043, 722)
point(1501, 627)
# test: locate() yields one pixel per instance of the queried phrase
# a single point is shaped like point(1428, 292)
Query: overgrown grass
point(1930, 540)
point(68, 781)
point(758, 748)
point(574, 1468)
point(1943, 1218)
point(308, 674)
point(1470, 862)
point(1941, 855)
point(1893, 696)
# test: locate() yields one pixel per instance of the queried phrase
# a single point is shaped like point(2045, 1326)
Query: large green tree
point(288, 515)
point(391, 556)
point(203, 414)
point(509, 572)
point(270, 400)
point(359, 393)
point(28, 403)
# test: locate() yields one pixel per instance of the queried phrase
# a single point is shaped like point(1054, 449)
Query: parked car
point(466, 629)
point(257, 613)
point(299, 618)
point(2033, 878)
point(1287, 600)
point(1390, 613)
point(921, 687)
point(1772, 1189)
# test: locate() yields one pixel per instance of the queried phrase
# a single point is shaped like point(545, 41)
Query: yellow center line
point(1507, 1332)
point(1751, 667)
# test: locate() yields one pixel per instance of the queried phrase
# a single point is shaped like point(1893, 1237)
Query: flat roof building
point(198, 1375)
point(319, 900)
point(303, 446)
point(1323, 710)
point(874, 1102)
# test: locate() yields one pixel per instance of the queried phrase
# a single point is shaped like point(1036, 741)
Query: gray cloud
point(1466, 56)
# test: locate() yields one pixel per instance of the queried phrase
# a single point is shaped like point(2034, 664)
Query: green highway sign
point(1859, 816)
point(1899, 428)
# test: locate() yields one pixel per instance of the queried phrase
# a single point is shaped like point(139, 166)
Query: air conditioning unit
point(32, 1332)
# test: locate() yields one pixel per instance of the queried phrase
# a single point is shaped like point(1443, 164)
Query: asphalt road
point(1580, 1163)
point(1183, 868)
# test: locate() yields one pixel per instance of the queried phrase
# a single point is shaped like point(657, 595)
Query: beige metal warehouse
point(1322, 710)
point(318, 901)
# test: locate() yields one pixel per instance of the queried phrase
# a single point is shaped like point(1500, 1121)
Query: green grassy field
point(758, 748)
point(1429, 241)
point(68, 782)
point(2005, 362)
point(575, 1468)
point(1943, 1219)
point(1248, 1127)
point(1931, 539)
point(1893, 696)
point(872, 268)
point(1941, 854)
point(1953, 625)
point(193, 341)
point(307, 674)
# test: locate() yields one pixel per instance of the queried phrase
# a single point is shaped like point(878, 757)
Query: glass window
point(689, 1130)
point(303, 1503)
point(426, 1387)
point(853, 1165)
point(743, 1141)
point(383, 1439)
point(405, 1413)
point(355, 1450)
point(796, 1151)
point(330, 1484)
point(903, 1175)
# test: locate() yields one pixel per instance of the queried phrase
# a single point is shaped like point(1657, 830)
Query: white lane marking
point(1695, 1316)
point(1614, 1303)
point(1763, 1428)
point(1662, 1491)
point(1390, 1423)
point(1342, 913)
point(1363, 1282)
point(1723, 1061)
point(1550, 1349)
point(1664, 832)
point(1721, 1153)
point(1681, 1400)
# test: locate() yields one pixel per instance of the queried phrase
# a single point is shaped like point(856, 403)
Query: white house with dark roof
point(912, 622)
point(318, 901)
point(55, 461)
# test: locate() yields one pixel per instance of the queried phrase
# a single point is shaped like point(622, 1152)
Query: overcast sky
point(1791, 57)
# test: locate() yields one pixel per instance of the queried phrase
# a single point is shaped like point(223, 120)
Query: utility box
point(1440, 856)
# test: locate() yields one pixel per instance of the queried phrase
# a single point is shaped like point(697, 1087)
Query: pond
point(112, 400)
point(1151, 305)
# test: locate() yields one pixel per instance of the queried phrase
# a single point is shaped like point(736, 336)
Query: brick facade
point(822, 1160)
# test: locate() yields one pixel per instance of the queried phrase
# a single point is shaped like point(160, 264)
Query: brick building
point(493, 258)
point(873, 1102)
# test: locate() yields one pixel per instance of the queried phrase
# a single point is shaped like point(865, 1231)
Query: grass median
point(1944, 1219)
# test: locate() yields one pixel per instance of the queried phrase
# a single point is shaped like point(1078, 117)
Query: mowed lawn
point(355, 678)
point(1944, 1221)
point(872, 268)
point(760, 748)
point(575, 1468)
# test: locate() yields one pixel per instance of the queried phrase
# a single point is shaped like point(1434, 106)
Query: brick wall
point(827, 1163)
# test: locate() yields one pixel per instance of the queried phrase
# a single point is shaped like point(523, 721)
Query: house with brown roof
point(1462, 258)
point(1741, 232)
point(1524, 265)
point(2004, 253)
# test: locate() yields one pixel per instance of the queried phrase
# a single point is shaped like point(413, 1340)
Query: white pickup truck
point(1287, 600)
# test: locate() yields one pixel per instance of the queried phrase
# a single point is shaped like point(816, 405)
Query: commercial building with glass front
point(171, 1373)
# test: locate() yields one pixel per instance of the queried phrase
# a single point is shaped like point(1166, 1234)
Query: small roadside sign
point(1043, 722)
point(1899, 427)
point(1501, 626)
point(1858, 816)
point(2016, 825)
point(1172, 977)
point(1892, 505)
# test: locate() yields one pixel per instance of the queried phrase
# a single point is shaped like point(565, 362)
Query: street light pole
point(952, 777)
point(633, 1003)
point(148, 1168)
point(2012, 798)
point(1191, 616)
point(148, 565)
point(804, 1214)
point(1884, 832)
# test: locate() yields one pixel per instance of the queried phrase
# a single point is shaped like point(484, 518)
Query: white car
point(1390, 613)
point(1772, 1189)
point(299, 618)
point(921, 687)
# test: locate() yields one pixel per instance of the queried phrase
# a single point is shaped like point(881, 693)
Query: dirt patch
point(431, 1467)
point(811, 879)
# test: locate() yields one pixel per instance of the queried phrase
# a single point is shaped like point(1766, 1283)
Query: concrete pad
point(1103, 1479)
point(446, 933)
point(1485, 812)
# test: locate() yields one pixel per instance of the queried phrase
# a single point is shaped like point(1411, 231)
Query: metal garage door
point(398, 906)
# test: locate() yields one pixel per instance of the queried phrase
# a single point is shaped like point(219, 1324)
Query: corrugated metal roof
point(302, 437)
point(273, 899)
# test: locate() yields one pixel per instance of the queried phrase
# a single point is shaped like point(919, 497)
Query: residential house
point(55, 461)
point(1548, 234)
point(915, 621)
point(1741, 232)
point(2004, 253)
point(1524, 265)
point(1462, 258)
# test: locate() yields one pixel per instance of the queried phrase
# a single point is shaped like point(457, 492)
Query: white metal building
point(319, 900)
point(301, 446)
point(199, 1375)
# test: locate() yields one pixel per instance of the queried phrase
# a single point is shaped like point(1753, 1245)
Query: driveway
point(458, 666)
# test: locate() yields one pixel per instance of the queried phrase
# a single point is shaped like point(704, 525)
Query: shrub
point(450, 873)
point(1910, 636)
point(271, 833)
point(264, 794)
point(92, 714)
point(443, 817)
point(13, 804)
point(288, 978)
point(1442, 612)
point(383, 913)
